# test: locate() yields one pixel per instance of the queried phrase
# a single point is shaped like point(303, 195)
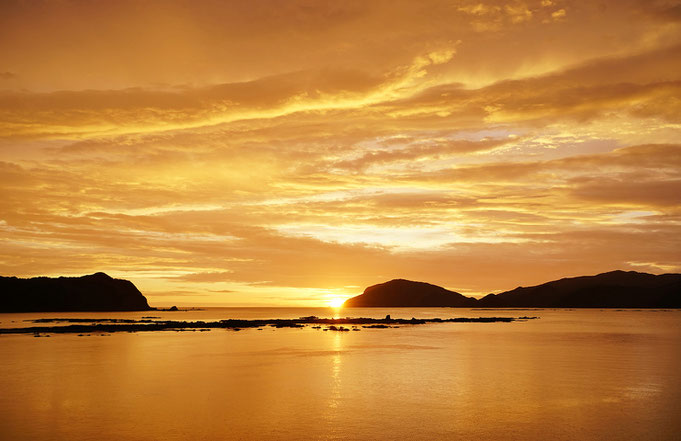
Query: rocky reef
point(106, 326)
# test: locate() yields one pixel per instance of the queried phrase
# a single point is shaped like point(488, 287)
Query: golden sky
point(292, 152)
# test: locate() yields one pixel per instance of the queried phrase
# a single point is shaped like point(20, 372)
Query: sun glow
point(336, 302)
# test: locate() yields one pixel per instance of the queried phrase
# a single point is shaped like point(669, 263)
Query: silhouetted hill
point(615, 289)
point(95, 292)
point(400, 292)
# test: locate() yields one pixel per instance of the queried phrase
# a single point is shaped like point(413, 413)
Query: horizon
point(293, 154)
point(338, 302)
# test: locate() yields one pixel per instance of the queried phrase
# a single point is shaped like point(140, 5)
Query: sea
point(582, 374)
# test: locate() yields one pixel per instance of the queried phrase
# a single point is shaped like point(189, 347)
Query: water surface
point(572, 374)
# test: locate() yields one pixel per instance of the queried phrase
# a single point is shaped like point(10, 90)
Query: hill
point(400, 292)
point(615, 289)
point(95, 292)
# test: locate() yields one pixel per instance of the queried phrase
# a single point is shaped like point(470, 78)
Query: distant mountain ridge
point(94, 292)
point(614, 289)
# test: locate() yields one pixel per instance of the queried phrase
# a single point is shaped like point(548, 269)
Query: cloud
point(559, 14)
point(77, 113)
point(665, 11)
point(518, 12)
point(209, 277)
point(652, 160)
point(630, 190)
point(251, 152)
point(434, 149)
point(643, 85)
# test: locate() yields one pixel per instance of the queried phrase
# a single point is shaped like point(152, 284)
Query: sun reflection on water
point(335, 371)
point(334, 408)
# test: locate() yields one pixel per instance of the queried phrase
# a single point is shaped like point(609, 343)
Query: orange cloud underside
point(291, 153)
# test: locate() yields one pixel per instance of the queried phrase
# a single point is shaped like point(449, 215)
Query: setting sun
point(336, 302)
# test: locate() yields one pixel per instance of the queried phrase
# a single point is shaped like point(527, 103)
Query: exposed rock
point(82, 326)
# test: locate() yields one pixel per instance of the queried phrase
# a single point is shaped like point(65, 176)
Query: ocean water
point(572, 374)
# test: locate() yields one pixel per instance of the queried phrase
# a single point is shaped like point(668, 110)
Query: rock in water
point(95, 292)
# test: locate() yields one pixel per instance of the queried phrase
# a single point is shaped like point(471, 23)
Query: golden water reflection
point(335, 373)
point(569, 375)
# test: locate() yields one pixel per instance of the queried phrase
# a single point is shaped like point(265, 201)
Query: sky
point(291, 153)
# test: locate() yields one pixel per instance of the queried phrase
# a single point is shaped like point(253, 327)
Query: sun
point(336, 302)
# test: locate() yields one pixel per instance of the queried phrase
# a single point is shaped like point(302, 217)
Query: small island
point(406, 293)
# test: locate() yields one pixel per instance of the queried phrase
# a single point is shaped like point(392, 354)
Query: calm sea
point(571, 375)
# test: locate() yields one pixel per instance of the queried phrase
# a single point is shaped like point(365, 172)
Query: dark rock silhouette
point(615, 289)
point(400, 292)
point(95, 292)
point(107, 326)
